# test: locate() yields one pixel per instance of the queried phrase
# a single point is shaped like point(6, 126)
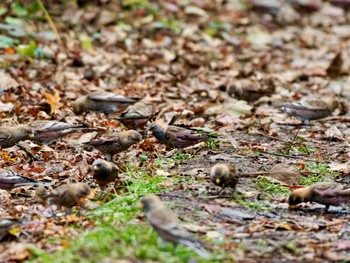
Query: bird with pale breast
point(11, 135)
point(168, 226)
point(326, 193)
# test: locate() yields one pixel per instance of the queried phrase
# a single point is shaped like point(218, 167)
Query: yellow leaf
point(15, 230)
point(53, 101)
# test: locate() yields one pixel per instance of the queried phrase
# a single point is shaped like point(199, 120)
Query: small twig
point(291, 156)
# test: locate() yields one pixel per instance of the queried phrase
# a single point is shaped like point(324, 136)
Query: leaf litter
point(220, 65)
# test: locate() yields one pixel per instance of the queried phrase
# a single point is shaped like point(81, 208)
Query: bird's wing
point(55, 126)
point(186, 134)
point(306, 105)
point(4, 136)
point(111, 97)
point(327, 189)
point(103, 141)
point(10, 177)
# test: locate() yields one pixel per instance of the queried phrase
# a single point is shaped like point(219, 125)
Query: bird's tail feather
point(197, 247)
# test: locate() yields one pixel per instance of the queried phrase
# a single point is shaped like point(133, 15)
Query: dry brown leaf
point(334, 133)
point(52, 101)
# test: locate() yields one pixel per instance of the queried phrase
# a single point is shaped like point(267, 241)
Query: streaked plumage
point(175, 136)
point(11, 135)
point(167, 225)
point(326, 193)
point(105, 102)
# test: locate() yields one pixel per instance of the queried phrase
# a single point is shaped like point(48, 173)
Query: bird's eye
point(29, 131)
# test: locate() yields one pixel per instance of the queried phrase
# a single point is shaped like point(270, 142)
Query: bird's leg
point(124, 186)
point(233, 192)
point(294, 138)
point(109, 157)
point(117, 182)
point(326, 208)
point(221, 192)
point(102, 187)
point(52, 212)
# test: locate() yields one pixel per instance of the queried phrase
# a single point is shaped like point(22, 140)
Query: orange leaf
point(53, 101)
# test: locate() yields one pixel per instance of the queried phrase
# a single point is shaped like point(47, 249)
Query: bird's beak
point(140, 205)
point(217, 180)
point(96, 168)
point(31, 136)
point(291, 207)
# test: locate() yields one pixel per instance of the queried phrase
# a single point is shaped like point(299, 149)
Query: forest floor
point(219, 65)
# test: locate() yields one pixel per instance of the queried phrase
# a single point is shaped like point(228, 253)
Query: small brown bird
point(326, 193)
point(116, 142)
point(6, 224)
point(105, 172)
point(309, 110)
point(176, 137)
point(224, 175)
point(66, 195)
point(250, 90)
point(167, 225)
point(136, 116)
point(10, 179)
point(11, 135)
point(106, 103)
point(48, 131)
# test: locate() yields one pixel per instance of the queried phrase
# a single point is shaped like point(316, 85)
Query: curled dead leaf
point(50, 106)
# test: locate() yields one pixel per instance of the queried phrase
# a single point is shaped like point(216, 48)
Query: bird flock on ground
point(137, 117)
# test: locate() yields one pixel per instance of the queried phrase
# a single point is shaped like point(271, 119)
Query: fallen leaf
point(52, 101)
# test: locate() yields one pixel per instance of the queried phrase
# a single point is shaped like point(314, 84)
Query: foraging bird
point(48, 131)
point(250, 91)
point(66, 195)
point(309, 110)
point(6, 224)
point(116, 142)
point(136, 116)
point(106, 103)
point(11, 135)
point(105, 173)
point(176, 137)
point(326, 193)
point(10, 179)
point(224, 175)
point(167, 225)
